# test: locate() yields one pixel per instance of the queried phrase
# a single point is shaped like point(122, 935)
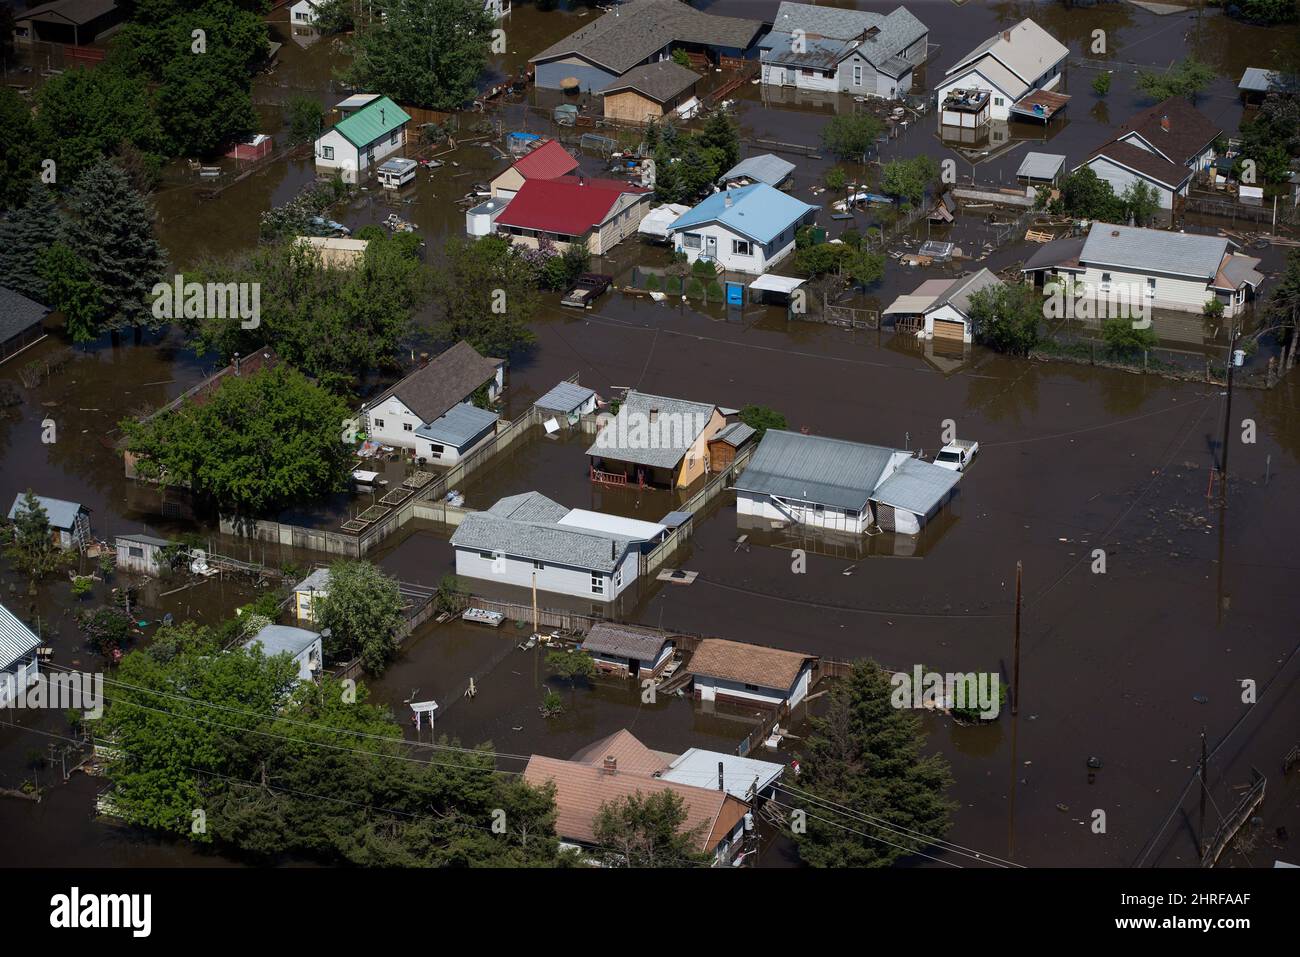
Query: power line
point(871, 837)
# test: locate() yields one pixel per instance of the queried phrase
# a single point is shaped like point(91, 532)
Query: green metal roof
point(366, 125)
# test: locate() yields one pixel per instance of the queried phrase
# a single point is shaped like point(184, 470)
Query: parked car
point(957, 454)
point(589, 287)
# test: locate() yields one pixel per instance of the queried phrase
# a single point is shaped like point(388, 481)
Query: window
point(1151, 287)
point(379, 423)
point(407, 427)
point(691, 240)
point(998, 101)
point(486, 556)
point(857, 74)
point(751, 687)
point(392, 140)
point(742, 247)
point(618, 578)
point(538, 566)
point(597, 584)
point(1105, 282)
point(135, 551)
point(327, 152)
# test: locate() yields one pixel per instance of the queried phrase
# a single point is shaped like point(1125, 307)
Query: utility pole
point(534, 601)
point(1200, 830)
point(1015, 666)
point(1227, 423)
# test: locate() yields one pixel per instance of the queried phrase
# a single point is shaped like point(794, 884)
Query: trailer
point(396, 173)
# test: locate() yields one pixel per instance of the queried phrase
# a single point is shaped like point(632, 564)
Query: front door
point(711, 246)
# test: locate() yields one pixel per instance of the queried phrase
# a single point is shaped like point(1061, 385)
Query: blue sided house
point(745, 229)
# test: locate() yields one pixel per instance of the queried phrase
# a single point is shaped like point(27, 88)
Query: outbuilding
point(723, 670)
point(142, 553)
point(648, 93)
point(628, 650)
point(18, 656)
point(303, 646)
point(69, 521)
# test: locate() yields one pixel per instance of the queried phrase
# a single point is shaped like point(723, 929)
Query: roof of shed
point(765, 168)
point(815, 468)
point(736, 434)
point(748, 664)
point(547, 161)
point(60, 513)
point(1041, 165)
point(917, 487)
point(625, 641)
point(565, 397)
point(146, 540)
point(279, 639)
point(659, 81)
point(446, 381)
point(16, 639)
point(18, 314)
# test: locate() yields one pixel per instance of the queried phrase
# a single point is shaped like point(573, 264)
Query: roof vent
point(727, 200)
point(611, 764)
point(1115, 233)
point(1164, 122)
point(1006, 35)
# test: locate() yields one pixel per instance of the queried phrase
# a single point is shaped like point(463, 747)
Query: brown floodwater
point(1127, 666)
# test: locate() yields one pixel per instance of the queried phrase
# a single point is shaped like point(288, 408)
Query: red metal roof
point(569, 205)
point(546, 162)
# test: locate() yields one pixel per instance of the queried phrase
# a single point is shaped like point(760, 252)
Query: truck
point(588, 288)
point(957, 454)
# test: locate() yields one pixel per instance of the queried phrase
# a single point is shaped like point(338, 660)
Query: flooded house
point(546, 160)
point(306, 593)
point(745, 229)
point(619, 767)
point(22, 323)
point(568, 400)
point(142, 553)
point(1165, 147)
point(999, 78)
point(651, 91)
point(79, 22)
point(69, 521)
point(431, 412)
point(362, 140)
point(599, 213)
point(529, 540)
point(637, 32)
point(835, 485)
point(843, 51)
point(723, 670)
point(628, 650)
point(336, 252)
point(18, 655)
point(301, 645)
point(941, 308)
point(304, 13)
point(655, 440)
point(764, 168)
point(1126, 268)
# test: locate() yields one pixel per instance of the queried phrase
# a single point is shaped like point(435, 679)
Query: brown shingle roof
point(625, 641)
point(659, 81)
point(446, 381)
point(1144, 162)
point(1189, 133)
point(581, 789)
point(627, 750)
point(748, 664)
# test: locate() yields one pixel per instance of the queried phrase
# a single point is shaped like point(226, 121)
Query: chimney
point(1164, 122)
point(235, 363)
point(1006, 35)
point(611, 764)
point(720, 784)
point(727, 200)
point(613, 550)
point(381, 114)
point(654, 413)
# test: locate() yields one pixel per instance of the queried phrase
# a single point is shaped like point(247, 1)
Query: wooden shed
point(141, 553)
point(650, 92)
point(724, 445)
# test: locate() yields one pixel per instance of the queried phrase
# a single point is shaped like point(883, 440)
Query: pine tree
point(865, 755)
point(112, 231)
point(25, 234)
point(32, 549)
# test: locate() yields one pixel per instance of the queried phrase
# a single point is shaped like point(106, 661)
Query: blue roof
point(277, 639)
point(61, 514)
point(458, 425)
point(757, 211)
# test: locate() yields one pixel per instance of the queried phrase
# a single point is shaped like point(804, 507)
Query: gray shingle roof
point(764, 168)
point(529, 507)
point(1060, 253)
point(637, 29)
point(624, 641)
point(16, 639)
point(659, 81)
point(565, 397)
point(458, 425)
point(540, 541)
point(1153, 250)
point(897, 31)
point(736, 434)
point(632, 437)
point(446, 381)
point(61, 514)
point(917, 487)
point(814, 468)
point(18, 314)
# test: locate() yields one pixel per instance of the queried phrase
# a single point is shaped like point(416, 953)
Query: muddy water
point(1074, 459)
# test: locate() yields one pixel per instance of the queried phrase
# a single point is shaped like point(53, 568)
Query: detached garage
point(941, 307)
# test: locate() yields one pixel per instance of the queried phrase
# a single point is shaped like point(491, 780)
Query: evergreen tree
point(70, 288)
point(112, 231)
point(720, 133)
point(32, 549)
point(25, 234)
point(645, 830)
point(865, 754)
point(18, 158)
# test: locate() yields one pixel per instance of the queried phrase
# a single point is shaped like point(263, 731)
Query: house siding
point(590, 77)
point(1172, 292)
point(832, 519)
point(948, 313)
point(719, 689)
point(557, 579)
point(353, 163)
point(1120, 179)
point(761, 257)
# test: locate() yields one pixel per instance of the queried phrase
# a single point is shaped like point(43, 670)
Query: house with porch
point(1154, 267)
point(941, 308)
point(432, 411)
point(1164, 146)
point(655, 440)
point(630, 651)
point(529, 540)
point(69, 521)
point(741, 673)
point(637, 32)
point(1006, 76)
point(843, 51)
point(362, 140)
point(18, 656)
point(746, 229)
point(839, 486)
point(599, 213)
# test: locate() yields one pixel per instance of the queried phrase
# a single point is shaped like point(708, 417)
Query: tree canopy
point(30, 544)
point(486, 292)
point(362, 608)
point(851, 136)
point(1187, 78)
point(645, 830)
point(1006, 317)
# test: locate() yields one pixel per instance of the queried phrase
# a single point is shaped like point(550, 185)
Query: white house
point(1009, 66)
point(839, 486)
point(1164, 146)
point(526, 538)
point(1164, 270)
point(303, 646)
point(18, 660)
point(733, 671)
point(847, 51)
point(304, 13)
point(362, 140)
point(430, 411)
point(568, 399)
point(69, 521)
point(943, 305)
point(628, 650)
point(746, 229)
